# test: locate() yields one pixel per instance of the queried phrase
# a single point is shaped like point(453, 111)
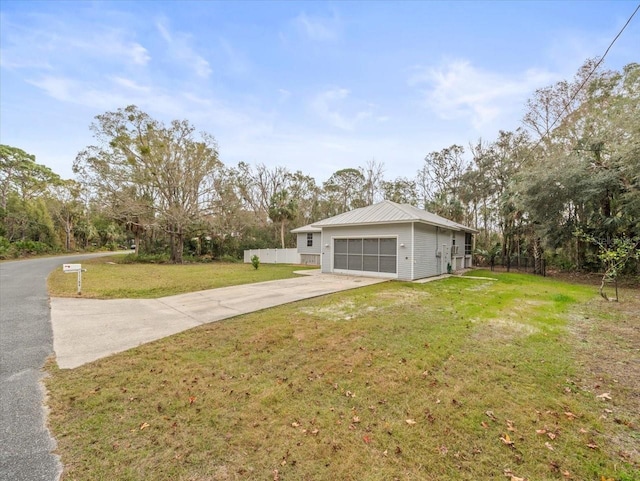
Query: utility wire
point(584, 82)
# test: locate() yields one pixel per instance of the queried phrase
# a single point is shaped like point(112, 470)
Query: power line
point(584, 82)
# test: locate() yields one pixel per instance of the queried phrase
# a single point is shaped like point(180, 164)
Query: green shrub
point(196, 259)
point(28, 247)
point(255, 261)
point(228, 258)
point(145, 259)
point(5, 245)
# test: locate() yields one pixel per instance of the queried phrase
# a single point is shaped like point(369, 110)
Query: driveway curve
point(25, 343)
point(88, 329)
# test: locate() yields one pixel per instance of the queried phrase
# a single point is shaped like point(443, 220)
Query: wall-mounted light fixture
point(326, 245)
point(401, 245)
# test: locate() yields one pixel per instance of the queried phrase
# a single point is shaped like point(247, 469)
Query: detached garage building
point(391, 240)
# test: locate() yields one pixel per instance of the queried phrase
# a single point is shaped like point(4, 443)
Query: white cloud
point(130, 84)
point(327, 105)
point(59, 88)
point(318, 28)
point(50, 43)
point(138, 54)
point(457, 89)
point(181, 50)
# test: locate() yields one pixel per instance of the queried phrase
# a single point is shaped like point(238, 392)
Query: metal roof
point(306, 228)
point(387, 212)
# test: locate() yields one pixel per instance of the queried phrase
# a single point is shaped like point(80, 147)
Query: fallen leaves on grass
point(491, 416)
point(144, 426)
point(410, 422)
point(605, 396)
point(506, 440)
point(512, 477)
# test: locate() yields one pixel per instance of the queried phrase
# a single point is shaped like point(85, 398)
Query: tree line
point(563, 185)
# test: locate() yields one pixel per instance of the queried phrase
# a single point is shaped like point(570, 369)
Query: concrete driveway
point(88, 329)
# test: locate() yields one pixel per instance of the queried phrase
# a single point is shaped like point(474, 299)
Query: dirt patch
point(592, 278)
point(404, 296)
point(501, 330)
point(606, 338)
point(341, 311)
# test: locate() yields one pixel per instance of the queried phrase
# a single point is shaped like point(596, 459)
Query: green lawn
point(458, 379)
point(107, 279)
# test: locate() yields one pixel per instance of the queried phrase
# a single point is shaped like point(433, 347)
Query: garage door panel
point(388, 264)
point(388, 247)
point(355, 262)
point(340, 261)
point(355, 246)
point(341, 246)
point(370, 263)
point(366, 255)
point(371, 246)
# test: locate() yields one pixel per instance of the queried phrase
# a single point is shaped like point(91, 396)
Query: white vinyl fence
point(273, 256)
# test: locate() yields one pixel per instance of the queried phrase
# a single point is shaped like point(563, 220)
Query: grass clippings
point(452, 383)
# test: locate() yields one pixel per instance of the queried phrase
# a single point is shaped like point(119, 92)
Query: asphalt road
point(26, 341)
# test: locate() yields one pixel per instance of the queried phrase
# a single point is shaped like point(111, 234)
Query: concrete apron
point(85, 330)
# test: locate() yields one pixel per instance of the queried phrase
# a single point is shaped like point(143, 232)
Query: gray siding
point(458, 259)
point(302, 243)
point(401, 231)
point(310, 259)
point(426, 264)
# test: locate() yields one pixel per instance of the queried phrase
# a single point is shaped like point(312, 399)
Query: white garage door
point(368, 254)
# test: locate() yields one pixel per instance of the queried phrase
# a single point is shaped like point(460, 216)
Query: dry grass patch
point(407, 391)
point(607, 343)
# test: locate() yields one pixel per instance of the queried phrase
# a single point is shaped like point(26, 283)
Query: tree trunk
point(67, 241)
point(602, 293)
point(136, 239)
point(179, 247)
point(282, 233)
point(537, 256)
point(172, 241)
point(68, 232)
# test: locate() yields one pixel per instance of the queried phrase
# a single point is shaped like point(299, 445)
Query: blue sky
point(313, 86)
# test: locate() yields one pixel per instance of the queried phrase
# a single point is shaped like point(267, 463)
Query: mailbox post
point(70, 268)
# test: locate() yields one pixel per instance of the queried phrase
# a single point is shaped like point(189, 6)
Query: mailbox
point(71, 267)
